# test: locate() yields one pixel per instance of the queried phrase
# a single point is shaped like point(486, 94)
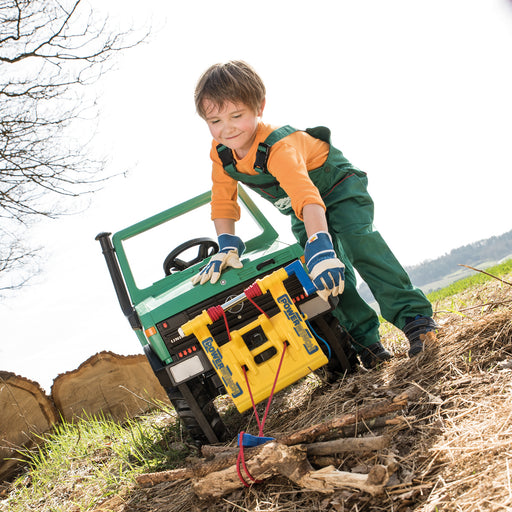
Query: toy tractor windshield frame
point(258, 243)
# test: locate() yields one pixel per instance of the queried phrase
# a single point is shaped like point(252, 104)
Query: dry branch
point(292, 462)
point(308, 435)
point(486, 273)
point(374, 410)
point(353, 444)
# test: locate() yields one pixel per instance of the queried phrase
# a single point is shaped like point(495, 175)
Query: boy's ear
point(260, 111)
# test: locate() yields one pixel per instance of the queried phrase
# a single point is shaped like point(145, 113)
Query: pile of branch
point(291, 456)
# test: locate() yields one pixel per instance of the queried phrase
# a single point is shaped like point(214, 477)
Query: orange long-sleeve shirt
point(290, 161)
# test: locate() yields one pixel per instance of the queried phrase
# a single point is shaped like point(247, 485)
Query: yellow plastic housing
point(302, 356)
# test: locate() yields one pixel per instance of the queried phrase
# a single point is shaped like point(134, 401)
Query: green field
point(496, 271)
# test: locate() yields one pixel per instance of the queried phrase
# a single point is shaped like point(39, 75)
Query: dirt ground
point(454, 452)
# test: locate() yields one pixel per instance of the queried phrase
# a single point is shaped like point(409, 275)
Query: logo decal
point(237, 308)
point(298, 324)
point(223, 370)
point(283, 204)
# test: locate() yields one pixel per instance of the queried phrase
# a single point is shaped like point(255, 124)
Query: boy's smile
point(234, 125)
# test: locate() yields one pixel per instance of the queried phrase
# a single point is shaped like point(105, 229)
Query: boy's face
point(234, 125)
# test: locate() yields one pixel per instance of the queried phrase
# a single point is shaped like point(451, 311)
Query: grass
point(470, 282)
point(82, 463)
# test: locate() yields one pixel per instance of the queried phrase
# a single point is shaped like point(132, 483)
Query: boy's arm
point(314, 219)
point(224, 226)
point(231, 248)
point(224, 204)
point(325, 269)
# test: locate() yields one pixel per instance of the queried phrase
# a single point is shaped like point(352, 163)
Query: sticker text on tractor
point(298, 324)
point(232, 387)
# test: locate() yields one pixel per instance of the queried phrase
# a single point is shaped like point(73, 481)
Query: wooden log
point(371, 424)
point(26, 413)
point(292, 462)
point(197, 470)
point(322, 462)
point(372, 483)
point(170, 475)
point(114, 385)
point(209, 451)
point(271, 457)
point(352, 444)
point(381, 408)
point(307, 435)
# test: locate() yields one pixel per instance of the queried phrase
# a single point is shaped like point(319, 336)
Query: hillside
point(434, 274)
point(449, 450)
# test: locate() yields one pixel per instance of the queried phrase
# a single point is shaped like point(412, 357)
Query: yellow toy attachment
point(246, 369)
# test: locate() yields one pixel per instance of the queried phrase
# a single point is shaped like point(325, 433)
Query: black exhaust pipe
point(117, 280)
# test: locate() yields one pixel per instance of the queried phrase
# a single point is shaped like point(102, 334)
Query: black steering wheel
point(206, 247)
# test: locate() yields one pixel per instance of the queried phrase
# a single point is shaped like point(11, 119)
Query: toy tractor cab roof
point(158, 302)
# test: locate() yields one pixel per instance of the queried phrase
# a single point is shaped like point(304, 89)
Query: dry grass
point(454, 452)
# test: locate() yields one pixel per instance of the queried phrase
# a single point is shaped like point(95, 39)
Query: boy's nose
point(229, 128)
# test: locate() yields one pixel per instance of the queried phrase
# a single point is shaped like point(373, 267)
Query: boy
point(325, 195)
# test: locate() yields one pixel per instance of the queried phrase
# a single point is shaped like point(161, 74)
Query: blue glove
point(231, 248)
point(324, 267)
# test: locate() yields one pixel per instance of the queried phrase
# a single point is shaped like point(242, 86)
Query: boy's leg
point(350, 219)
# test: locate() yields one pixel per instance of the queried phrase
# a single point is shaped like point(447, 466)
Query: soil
point(454, 451)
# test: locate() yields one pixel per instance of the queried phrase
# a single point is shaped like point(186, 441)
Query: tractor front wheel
point(196, 410)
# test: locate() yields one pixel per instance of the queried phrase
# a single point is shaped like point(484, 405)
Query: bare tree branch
point(50, 50)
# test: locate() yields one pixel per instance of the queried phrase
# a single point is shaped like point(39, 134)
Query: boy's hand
point(231, 248)
point(324, 267)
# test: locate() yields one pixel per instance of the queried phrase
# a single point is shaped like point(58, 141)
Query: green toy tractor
point(158, 302)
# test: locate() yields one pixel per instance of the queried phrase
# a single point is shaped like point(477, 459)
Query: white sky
point(417, 94)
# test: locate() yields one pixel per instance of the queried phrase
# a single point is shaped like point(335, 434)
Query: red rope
point(241, 458)
point(254, 291)
point(273, 389)
point(252, 400)
point(216, 312)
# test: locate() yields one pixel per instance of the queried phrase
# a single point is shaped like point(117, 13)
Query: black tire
point(343, 358)
point(189, 419)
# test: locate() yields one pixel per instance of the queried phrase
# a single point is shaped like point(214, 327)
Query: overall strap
point(260, 164)
point(226, 157)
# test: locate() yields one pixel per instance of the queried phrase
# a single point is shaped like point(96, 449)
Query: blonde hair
point(234, 81)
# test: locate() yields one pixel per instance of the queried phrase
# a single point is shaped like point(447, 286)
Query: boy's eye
point(236, 116)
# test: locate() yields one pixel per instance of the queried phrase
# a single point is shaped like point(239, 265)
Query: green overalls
point(349, 212)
